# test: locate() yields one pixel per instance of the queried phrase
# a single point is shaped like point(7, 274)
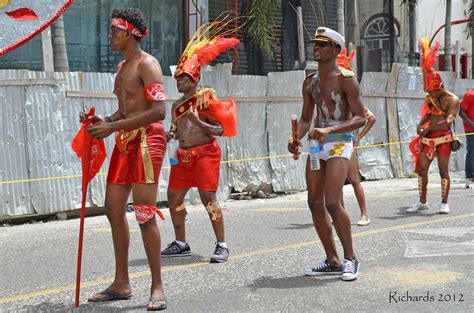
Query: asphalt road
point(409, 262)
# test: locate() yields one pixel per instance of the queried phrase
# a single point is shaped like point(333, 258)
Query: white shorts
point(336, 149)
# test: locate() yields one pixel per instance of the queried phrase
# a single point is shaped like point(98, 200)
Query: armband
point(155, 92)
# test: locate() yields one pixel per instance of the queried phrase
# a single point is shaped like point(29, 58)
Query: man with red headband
point(138, 154)
point(197, 118)
point(438, 112)
point(332, 103)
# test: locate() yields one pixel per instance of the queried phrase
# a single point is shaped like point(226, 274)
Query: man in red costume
point(138, 154)
point(439, 110)
point(467, 114)
point(197, 118)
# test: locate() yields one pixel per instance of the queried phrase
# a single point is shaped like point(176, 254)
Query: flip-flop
point(363, 222)
point(110, 295)
point(154, 300)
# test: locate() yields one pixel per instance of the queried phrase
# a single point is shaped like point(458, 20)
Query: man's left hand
point(317, 133)
point(356, 141)
point(100, 130)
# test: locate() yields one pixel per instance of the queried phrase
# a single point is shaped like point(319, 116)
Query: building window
point(376, 37)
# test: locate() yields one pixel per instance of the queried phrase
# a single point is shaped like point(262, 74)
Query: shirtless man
point(439, 110)
point(335, 93)
point(138, 154)
point(198, 154)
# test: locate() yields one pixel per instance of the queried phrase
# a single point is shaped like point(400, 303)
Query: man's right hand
point(292, 147)
point(95, 119)
point(421, 131)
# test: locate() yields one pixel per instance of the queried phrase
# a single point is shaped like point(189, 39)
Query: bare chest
point(128, 82)
point(330, 101)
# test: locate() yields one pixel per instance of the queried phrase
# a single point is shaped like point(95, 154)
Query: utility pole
point(59, 46)
point(300, 25)
point(340, 17)
point(447, 39)
point(47, 50)
point(412, 31)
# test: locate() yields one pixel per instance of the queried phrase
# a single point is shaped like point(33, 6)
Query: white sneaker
point(418, 207)
point(351, 270)
point(443, 208)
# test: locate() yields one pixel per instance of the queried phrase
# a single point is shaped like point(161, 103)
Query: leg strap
point(145, 212)
point(444, 188)
point(420, 185)
point(215, 210)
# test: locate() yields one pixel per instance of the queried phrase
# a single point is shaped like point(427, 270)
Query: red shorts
point(197, 167)
point(138, 155)
point(442, 149)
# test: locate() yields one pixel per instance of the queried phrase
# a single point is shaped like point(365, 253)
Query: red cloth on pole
point(90, 150)
point(92, 154)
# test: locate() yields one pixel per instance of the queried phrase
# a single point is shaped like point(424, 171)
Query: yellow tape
point(11, 182)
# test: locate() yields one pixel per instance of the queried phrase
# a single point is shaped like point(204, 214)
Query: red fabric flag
point(92, 154)
point(83, 144)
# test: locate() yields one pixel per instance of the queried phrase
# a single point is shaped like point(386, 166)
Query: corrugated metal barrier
point(40, 174)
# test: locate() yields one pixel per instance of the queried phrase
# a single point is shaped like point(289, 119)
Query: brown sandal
point(110, 295)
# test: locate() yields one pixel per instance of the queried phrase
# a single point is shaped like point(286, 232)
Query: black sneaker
point(220, 255)
point(351, 270)
point(174, 249)
point(323, 269)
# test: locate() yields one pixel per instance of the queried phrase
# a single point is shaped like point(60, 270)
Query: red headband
point(123, 24)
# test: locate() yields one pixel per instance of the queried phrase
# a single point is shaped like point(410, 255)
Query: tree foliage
point(470, 24)
point(260, 22)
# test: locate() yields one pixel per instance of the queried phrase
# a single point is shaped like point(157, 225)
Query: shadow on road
point(85, 307)
point(194, 258)
point(291, 282)
point(298, 226)
point(402, 214)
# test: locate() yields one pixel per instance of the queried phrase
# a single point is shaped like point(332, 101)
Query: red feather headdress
point(345, 61)
point(431, 78)
point(204, 46)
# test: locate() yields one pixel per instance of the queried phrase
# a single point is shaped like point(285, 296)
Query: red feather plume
point(215, 47)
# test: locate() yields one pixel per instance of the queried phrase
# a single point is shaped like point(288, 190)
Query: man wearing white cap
point(331, 99)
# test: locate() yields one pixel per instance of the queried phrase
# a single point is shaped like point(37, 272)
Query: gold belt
point(433, 142)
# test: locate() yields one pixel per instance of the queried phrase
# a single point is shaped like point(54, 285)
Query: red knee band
point(155, 92)
point(144, 212)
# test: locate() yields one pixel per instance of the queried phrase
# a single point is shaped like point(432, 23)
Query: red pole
point(443, 26)
point(86, 156)
point(79, 249)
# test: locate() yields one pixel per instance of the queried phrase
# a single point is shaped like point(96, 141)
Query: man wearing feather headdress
point(332, 102)
point(197, 118)
point(434, 138)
